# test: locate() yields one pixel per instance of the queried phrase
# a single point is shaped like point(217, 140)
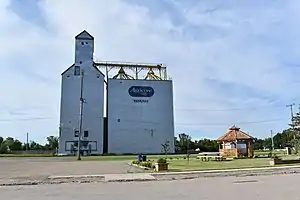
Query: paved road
point(230, 188)
point(40, 168)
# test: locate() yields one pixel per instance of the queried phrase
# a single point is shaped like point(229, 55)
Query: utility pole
point(27, 141)
point(81, 100)
point(105, 147)
point(292, 117)
point(272, 142)
point(292, 113)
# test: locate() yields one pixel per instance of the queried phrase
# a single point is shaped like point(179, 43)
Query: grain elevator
point(138, 104)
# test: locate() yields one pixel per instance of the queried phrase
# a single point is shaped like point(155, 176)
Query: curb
point(138, 166)
point(29, 183)
point(75, 177)
point(105, 178)
point(226, 170)
point(129, 177)
point(226, 173)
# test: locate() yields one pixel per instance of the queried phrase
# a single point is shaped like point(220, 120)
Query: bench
point(209, 158)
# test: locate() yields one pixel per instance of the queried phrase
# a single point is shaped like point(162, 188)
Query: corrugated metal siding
point(93, 94)
point(139, 127)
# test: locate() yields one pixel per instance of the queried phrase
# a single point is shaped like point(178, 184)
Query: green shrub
point(146, 164)
point(161, 160)
point(135, 162)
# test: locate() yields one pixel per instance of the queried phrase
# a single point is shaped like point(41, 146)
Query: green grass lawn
point(91, 158)
point(197, 164)
point(25, 155)
point(130, 157)
point(176, 162)
point(265, 153)
point(180, 162)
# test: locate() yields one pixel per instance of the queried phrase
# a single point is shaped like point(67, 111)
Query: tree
point(176, 144)
point(258, 144)
point(3, 146)
point(296, 120)
point(166, 147)
point(295, 129)
point(17, 145)
point(52, 142)
point(206, 145)
point(13, 144)
point(184, 142)
point(35, 146)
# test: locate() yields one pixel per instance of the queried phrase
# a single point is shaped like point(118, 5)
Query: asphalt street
point(230, 188)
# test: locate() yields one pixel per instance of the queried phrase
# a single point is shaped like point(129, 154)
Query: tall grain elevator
point(93, 97)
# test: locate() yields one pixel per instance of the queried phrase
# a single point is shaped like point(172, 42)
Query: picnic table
point(210, 156)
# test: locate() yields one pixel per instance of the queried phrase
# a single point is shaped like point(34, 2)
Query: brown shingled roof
point(234, 133)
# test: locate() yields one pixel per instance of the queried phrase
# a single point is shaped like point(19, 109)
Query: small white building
point(93, 95)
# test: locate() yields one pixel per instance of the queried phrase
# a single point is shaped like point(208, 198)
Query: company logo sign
point(141, 91)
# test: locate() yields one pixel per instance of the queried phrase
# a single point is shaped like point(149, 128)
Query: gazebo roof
point(234, 133)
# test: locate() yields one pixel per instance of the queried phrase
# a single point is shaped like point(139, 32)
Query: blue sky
point(232, 62)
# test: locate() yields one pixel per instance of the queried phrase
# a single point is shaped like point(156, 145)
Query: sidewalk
point(108, 177)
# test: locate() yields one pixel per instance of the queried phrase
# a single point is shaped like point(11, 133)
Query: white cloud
point(228, 45)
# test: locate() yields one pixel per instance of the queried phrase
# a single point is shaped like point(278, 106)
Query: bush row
point(149, 164)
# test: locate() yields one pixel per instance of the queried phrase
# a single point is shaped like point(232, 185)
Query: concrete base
point(283, 162)
point(128, 177)
point(161, 167)
point(107, 177)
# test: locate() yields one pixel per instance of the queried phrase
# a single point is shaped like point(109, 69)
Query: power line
point(220, 124)
point(232, 109)
point(176, 123)
point(224, 110)
point(206, 124)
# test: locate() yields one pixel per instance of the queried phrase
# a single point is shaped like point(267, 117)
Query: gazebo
point(236, 143)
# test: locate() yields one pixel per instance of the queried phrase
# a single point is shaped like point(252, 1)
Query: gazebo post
point(236, 148)
point(250, 149)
